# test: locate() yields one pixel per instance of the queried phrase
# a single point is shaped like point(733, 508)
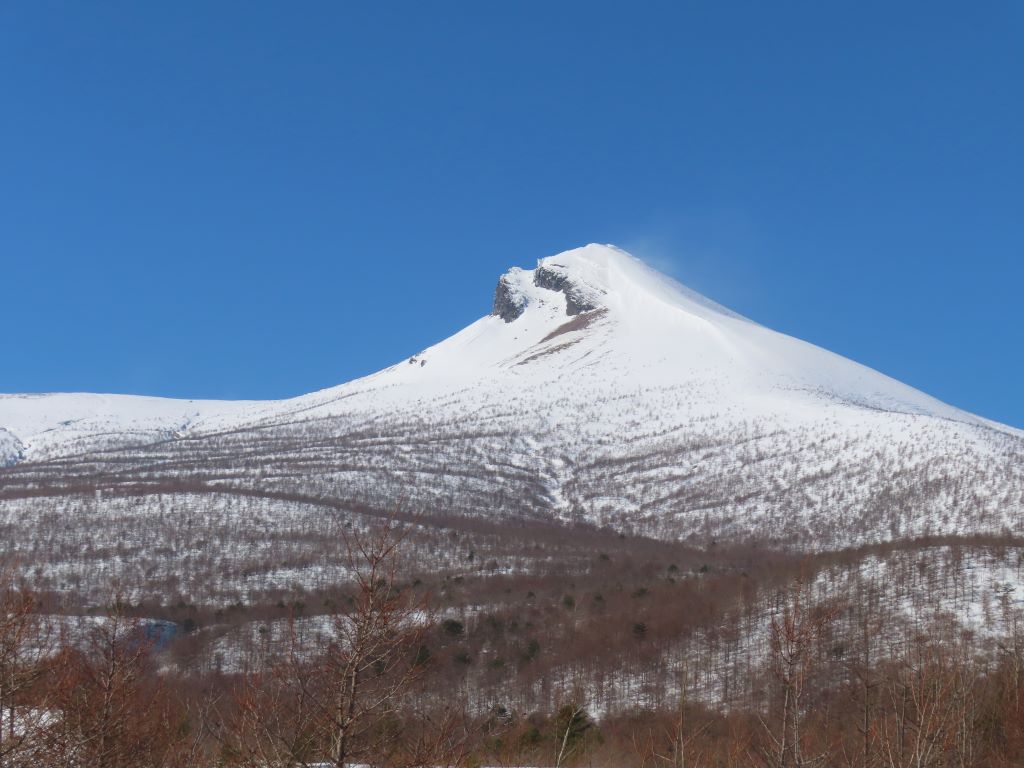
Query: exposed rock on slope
point(509, 298)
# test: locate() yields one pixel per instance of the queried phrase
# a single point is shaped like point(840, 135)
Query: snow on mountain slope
point(599, 315)
point(54, 424)
point(595, 312)
point(597, 390)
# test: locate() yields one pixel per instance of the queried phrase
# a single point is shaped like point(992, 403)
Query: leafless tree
point(24, 645)
point(924, 705)
point(110, 709)
point(337, 701)
point(796, 632)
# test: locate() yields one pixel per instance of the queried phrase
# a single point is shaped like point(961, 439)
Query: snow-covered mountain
point(597, 390)
point(598, 317)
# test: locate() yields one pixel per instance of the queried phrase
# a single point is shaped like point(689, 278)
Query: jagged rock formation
point(509, 299)
point(578, 296)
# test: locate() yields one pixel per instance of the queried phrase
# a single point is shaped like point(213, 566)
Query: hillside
point(598, 392)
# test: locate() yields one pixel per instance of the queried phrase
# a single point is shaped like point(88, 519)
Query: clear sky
point(255, 200)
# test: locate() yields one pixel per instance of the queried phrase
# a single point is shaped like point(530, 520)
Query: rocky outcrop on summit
point(509, 300)
point(511, 295)
point(577, 298)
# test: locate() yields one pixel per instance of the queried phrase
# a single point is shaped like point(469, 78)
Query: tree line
point(838, 684)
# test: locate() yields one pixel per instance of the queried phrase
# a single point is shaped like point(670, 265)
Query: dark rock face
point(545, 277)
point(576, 300)
point(509, 303)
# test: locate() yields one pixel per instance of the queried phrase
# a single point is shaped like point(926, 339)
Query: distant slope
point(56, 424)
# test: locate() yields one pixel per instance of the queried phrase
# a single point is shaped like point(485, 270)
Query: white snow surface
point(598, 391)
point(646, 332)
point(56, 424)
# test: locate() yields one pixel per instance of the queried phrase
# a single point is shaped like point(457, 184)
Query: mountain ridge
point(612, 396)
point(568, 299)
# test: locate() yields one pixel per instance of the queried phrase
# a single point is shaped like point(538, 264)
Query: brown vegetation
point(372, 675)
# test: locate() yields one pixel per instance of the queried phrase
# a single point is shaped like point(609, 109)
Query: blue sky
point(244, 199)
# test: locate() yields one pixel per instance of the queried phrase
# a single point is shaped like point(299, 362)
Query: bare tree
point(680, 737)
point(435, 740)
point(111, 709)
point(796, 632)
point(273, 721)
point(336, 702)
point(572, 724)
point(24, 645)
point(924, 705)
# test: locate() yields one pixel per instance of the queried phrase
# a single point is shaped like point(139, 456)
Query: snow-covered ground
point(599, 390)
point(638, 330)
point(942, 591)
point(945, 594)
point(56, 424)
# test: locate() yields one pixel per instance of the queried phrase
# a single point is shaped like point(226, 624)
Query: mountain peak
point(580, 275)
point(593, 277)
